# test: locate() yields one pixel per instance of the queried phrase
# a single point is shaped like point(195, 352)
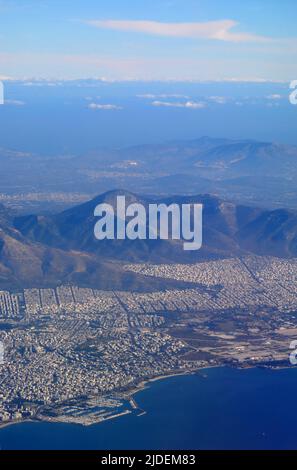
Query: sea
point(217, 408)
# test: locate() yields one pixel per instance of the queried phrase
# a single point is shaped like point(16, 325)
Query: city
point(76, 354)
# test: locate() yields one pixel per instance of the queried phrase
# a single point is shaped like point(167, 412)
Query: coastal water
point(225, 409)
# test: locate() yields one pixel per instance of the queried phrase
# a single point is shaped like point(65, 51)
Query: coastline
point(130, 397)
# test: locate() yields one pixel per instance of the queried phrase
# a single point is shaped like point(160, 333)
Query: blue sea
point(221, 408)
point(57, 121)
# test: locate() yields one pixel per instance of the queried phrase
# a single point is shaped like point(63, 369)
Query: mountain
point(212, 158)
point(246, 171)
point(74, 229)
point(39, 250)
point(250, 158)
point(271, 233)
point(26, 263)
point(228, 230)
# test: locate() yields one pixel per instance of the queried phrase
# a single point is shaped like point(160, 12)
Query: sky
point(149, 40)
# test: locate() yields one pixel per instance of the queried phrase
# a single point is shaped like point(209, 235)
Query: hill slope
point(228, 230)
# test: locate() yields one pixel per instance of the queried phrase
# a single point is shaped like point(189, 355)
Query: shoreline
point(130, 397)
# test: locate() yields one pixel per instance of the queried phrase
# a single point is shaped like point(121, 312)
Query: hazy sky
point(156, 39)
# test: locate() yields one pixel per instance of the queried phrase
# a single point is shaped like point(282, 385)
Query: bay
point(219, 408)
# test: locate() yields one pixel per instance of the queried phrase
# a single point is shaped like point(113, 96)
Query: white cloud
point(274, 97)
point(91, 98)
point(187, 104)
point(108, 107)
point(220, 30)
point(162, 96)
point(42, 83)
point(218, 99)
point(272, 104)
point(5, 78)
point(15, 102)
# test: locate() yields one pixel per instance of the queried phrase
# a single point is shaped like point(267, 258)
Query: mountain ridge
point(228, 230)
